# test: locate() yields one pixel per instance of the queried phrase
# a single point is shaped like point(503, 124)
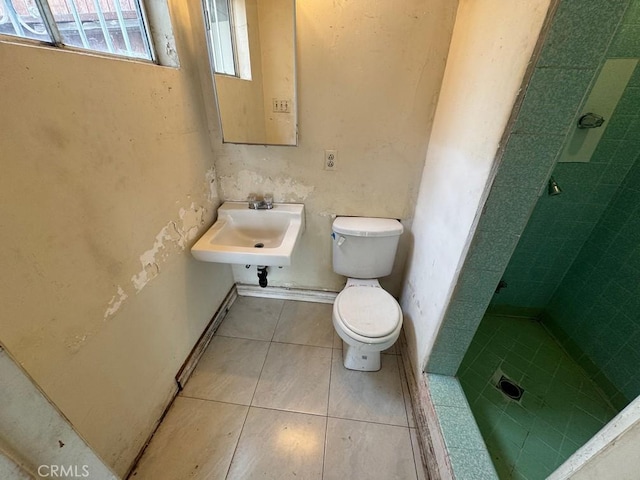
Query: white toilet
point(365, 316)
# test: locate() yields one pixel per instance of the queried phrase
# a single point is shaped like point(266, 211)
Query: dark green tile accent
point(614, 174)
point(616, 127)
point(607, 147)
point(627, 152)
point(514, 311)
point(629, 103)
point(635, 78)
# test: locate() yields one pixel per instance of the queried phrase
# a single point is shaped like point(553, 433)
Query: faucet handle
point(253, 202)
point(268, 200)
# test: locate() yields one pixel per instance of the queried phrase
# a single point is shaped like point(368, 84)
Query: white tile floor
point(270, 399)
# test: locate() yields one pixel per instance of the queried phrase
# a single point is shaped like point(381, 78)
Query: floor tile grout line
point(216, 401)
point(235, 448)
point(280, 342)
point(324, 447)
point(273, 334)
point(244, 338)
point(413, 452)
point(369, 421)
point(330, 377)
point(400, 366)
point(326, 422)
point(247, 414)
point(301, 413)
point(255, 389)
point(403, 381)
point(301, 344)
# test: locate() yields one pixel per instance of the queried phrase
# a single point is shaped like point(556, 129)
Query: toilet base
point(356, 359)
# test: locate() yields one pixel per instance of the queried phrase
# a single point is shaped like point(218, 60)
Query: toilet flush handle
point(341, 240)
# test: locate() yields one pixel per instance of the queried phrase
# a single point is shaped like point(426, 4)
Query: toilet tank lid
point(367, 226)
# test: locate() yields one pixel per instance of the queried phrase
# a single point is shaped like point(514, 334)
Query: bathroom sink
point(252, 237)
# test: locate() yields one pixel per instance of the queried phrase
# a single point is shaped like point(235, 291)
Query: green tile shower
point(567, 326)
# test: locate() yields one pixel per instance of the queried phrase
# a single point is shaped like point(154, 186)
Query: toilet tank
point(365, 247)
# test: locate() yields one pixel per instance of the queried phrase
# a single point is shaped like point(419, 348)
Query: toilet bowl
point(365, 316)
point(368, 320)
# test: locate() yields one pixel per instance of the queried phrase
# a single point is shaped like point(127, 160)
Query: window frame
point(51, 27)
point(210, 20)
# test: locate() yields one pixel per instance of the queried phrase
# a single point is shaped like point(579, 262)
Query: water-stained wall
point(108, 177)
point(368, 80)
point(492, 44)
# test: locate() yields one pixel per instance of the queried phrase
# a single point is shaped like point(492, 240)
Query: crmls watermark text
point(63, 471)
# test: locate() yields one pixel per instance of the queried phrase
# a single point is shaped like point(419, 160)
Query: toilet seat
point(368, 312)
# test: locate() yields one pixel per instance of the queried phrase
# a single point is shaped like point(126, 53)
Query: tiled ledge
point(464, 444)
point(451, 445)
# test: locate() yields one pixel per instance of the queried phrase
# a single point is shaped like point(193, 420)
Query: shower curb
point(433, 451)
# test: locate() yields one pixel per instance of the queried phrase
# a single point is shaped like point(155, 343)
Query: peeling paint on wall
point(76, 342)
point(284, 189)
point(116, 302)
point(174, 236)
point(210, 178)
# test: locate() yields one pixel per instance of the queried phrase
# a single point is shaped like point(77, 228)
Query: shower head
point(554, 188)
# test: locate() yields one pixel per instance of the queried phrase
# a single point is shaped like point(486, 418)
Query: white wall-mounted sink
point(252, 237)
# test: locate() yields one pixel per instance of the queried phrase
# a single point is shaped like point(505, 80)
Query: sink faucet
point(265, 204)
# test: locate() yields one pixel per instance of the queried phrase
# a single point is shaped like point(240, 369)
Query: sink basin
point(252, 237)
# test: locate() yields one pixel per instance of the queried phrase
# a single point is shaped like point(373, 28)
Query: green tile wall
point(560, 225)
point(466, 448)
point(595, 312)
point(567, 66)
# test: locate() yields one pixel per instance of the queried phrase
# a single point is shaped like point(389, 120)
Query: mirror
point(252, 55)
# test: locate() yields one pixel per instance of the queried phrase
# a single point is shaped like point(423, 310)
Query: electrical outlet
point(280, 106)
point(330, 160)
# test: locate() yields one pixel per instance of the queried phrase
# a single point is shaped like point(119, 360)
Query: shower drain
point(507, 386)
point(510, 388)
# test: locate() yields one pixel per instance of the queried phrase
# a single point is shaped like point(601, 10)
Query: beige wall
point(107, 179)
point(492, 43)
point(30, 445)
point(277, 42)
point(368, 79)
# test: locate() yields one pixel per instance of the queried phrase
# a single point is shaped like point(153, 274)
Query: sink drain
point(259, 245)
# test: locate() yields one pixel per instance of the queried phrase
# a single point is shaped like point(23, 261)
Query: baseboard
point(188, 366)
point(433, 451)
point(284, 293)
point(203, 342)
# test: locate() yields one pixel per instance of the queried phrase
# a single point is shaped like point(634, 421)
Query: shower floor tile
point(559, 411)
point(270, 398)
